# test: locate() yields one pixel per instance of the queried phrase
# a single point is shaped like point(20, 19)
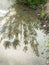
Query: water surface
point(22, 38)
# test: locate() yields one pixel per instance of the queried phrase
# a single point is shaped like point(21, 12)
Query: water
point(22, 38)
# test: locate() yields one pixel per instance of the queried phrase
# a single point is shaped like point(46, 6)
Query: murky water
point(22, 38)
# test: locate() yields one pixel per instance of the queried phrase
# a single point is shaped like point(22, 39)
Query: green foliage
point(31, 3)
point(42, 14)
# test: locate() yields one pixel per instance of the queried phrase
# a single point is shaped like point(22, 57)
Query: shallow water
point(22, 38)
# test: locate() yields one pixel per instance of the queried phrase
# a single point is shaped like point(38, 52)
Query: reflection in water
point(6, 44)
point(22, 38)
point(35, 47)
point(12, 25)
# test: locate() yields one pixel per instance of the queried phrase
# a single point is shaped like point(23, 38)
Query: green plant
point(31, 3)
point(42, 14)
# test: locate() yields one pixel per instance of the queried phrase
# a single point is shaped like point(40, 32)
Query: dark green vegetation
point(31, 3)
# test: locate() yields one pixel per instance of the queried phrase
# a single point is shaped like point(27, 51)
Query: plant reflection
point(13, 26)
point(25, 49)
point(15, 43)
point(7, 44)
